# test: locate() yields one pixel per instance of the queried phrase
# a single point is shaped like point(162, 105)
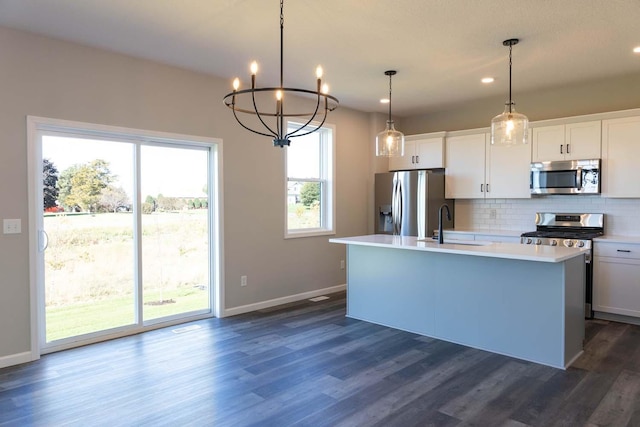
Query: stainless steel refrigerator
point(407, 203)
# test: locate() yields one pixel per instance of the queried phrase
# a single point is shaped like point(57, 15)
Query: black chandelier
point(246, 101)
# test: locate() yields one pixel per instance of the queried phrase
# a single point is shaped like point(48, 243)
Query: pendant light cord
point(390, 75)
point(281, 43)
point(510, 62)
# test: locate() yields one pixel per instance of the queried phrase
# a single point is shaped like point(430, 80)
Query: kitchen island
point(518, 300)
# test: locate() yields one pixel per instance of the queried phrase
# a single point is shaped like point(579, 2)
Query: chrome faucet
point(440, 234)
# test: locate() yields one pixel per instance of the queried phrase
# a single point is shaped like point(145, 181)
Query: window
point(310, 184)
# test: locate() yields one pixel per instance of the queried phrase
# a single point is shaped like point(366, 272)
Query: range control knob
point(570, 243)
point(529, 240)
point(580, 244)
point(554, 242)
point(538, 242)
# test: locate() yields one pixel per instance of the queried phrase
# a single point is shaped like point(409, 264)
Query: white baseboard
point(16, 359)
point(283, 300)
point(616, 318)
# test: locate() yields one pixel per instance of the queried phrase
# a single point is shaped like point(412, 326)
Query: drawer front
point(617, 250)
point(498, 239)
point(456, 235)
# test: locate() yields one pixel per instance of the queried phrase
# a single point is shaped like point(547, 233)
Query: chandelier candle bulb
point(254, 102)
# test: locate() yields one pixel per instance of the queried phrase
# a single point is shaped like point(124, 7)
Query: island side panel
point(506, 306)
point(511, 307)
point(574, 308)
point(391, 287)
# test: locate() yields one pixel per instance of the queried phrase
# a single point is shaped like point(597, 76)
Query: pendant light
point(510, 127)
point(390, 142)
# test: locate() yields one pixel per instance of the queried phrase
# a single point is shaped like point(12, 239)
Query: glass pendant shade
point(510, 127)
point(390, 142)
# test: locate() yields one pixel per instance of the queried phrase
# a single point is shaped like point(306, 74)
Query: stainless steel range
point(570, 230)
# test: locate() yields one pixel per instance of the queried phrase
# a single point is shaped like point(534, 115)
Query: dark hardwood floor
point(307, 364)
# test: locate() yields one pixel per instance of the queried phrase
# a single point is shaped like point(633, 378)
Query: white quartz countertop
point(474, 248)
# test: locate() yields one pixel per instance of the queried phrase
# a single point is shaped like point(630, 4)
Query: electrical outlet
point(493, 214)
point(341, 264)
point(243, 280)
point(12, 226)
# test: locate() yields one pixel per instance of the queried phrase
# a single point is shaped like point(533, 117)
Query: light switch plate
point(12, 226)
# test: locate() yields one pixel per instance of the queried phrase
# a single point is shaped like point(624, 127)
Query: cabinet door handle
point(624, 250)
point(488, 188)
point(413, 158)
point(482, 188)
point(561, 148)
point(568, 151)
point(417, 159)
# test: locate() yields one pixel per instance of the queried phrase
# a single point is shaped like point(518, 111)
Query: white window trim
point(328, 214)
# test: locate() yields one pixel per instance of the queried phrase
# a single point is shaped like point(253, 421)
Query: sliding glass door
point(89, 273)
point(175, 231)
point(124, 234)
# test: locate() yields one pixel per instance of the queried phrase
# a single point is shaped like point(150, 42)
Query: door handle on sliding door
point(44, 241)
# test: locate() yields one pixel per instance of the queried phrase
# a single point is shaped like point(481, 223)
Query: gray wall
point(49, 78)
point(613, 94)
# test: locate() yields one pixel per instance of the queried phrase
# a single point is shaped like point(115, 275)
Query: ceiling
point(440, 48)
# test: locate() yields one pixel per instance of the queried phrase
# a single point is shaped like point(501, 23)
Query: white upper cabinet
point(420, 152)
point(572, 141)
point(620, 156)
point(475, 169)
point(508, 171)
point(465, 166)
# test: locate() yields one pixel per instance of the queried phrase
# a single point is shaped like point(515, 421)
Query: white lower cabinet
point(497, 238)
point(616, 278)
point(481, 237)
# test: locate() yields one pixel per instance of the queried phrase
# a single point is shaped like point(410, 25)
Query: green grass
point(89, 269)
point(83, 318)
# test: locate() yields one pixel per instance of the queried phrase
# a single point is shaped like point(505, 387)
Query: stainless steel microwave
point(565, 177)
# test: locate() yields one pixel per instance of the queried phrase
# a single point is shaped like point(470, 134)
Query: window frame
point(327, 135)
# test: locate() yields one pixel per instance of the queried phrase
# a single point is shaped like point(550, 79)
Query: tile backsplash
point(622, 216)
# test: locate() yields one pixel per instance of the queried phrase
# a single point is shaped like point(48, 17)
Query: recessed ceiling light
point(487, 80)
point(636, 49)
point(384, 101)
